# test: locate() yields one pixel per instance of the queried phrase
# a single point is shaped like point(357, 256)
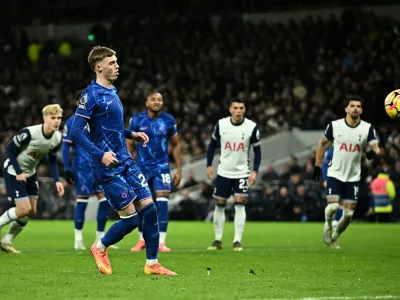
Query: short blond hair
point(52, 109)
point(97, 54)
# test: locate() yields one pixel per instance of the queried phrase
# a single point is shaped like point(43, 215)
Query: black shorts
point(19, 190)
point(225, 187)
point(346, 191)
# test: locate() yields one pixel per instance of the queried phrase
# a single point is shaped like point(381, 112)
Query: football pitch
point(280, 261)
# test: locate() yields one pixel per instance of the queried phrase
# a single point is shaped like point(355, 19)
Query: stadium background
point(292, 62)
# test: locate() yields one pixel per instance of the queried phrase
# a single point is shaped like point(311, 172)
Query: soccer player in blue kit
point(153, 159)
point(85, 185)
point(113, 167)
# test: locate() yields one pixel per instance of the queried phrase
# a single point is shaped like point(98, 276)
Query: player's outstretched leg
point(330, 210)
point(344, 222)
point(116, 233)
point(15, 228)
point(140, 245)
point(219, 221)
point(162, 210)
point(79, 220)
point(151, 235)
point(240, 220)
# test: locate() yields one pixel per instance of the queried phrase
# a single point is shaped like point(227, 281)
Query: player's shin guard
point(102, 216)
point(79, 213)
point(8, 216)
point(240, 220)
point(119, 229)
point(162, 210)
point(15, 228)
point(344, 222)
point(150, 230)
point(219, 221)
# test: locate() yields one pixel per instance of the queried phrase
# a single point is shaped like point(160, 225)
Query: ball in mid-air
point(392, 104)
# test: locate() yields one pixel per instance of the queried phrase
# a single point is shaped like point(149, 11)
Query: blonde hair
point(52, 109)
point(97, 54)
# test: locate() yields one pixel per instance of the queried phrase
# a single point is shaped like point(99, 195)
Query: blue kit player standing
point(85, 185)
point(153, 160)
point(350, 136)
point(24, 151)
point(235, 135)
point(113, 167)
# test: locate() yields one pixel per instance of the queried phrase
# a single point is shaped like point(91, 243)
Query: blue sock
point(140, 221)
point(119, 229)
point(162, 210)
point(151, 233)
point(338, 214)
point(102, 214)
point(79, 213)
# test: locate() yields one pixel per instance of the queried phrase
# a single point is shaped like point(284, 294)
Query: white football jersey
point(235, 145)
point(348, 144)
point(34, 146)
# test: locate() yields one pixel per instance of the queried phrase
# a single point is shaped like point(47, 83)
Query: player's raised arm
point(319, 155)
point(14, 147)
point(215, 137)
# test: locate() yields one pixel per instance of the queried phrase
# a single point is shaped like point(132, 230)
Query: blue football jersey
point(80, 158)
point(105, 113)
point(159, 131)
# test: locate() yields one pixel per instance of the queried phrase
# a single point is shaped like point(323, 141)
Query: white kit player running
point(24, 152)
point(234, 135)
point(350, 137)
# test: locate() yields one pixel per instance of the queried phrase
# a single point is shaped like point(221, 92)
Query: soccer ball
point(392, 104)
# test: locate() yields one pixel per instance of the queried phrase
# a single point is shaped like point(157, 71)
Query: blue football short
point(158, 177)
point(85, 184)
point(122, 184)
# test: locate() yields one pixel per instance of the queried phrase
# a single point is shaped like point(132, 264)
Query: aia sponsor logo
point(234, 146)
point(350, 147)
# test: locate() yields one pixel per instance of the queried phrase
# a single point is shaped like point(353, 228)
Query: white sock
point(344, 222)
point(14, 229)
point(99, 235)
point(219, 220)
point(141, 236)
point(78, 235)
point(99, 245)
point(240, 220)
point(330, 210)
point(163, 237)
point(8, 216)
point(151, 262)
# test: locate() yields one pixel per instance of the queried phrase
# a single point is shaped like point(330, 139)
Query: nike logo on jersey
point(109, 102)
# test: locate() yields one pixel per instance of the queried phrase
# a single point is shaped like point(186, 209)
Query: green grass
point(289, 261)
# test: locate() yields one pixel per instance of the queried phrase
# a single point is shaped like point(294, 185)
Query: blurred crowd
point(292, 74)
